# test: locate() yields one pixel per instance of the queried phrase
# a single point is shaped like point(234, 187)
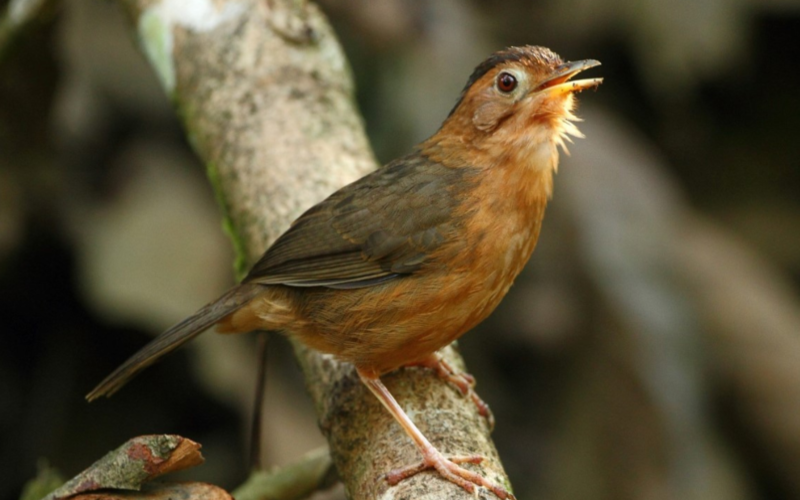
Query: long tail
point(175, 337)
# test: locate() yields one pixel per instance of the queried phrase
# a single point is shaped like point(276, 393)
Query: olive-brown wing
point(383, 226)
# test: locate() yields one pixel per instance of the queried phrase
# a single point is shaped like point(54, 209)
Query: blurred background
point(651, 349)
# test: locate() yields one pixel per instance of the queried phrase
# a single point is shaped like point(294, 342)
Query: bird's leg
point(448, 468)
point(464, 382)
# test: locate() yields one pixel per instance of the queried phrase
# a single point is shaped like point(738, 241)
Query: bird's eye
point(506, 82)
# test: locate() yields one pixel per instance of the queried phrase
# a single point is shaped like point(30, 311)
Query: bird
point(395, 266)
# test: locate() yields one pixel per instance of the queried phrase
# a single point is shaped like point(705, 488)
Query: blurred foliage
point(47, 479)
point(650, 350)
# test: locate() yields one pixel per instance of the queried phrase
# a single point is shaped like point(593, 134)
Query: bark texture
point(267, 101)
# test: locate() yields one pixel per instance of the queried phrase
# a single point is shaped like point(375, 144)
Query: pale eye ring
point(506, 82)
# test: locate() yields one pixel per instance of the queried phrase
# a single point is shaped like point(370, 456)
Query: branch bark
point(266, 98)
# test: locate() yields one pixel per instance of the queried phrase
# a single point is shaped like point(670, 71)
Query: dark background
point(651, 350)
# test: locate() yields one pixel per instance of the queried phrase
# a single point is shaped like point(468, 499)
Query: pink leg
point(431, 457)
point(464, 382)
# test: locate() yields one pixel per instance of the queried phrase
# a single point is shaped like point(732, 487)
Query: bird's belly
point(385, 327)
point(398, 323)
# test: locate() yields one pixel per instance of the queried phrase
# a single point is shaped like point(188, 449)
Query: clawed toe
point(483, 409)
point(449, 469)
point(397, 475)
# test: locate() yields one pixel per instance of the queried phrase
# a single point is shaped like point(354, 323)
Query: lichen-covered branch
point(136, 462)
point(267, 101)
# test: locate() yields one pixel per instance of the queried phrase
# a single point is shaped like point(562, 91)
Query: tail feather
point(175, 337)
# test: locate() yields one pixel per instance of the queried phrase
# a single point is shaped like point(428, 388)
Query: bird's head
point(517, 106)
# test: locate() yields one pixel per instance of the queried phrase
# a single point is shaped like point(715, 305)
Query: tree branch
point(267, 101)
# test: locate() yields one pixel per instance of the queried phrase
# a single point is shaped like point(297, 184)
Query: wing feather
point(381, 227)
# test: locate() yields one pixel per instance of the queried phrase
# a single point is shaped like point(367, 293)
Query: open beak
point(559, 82)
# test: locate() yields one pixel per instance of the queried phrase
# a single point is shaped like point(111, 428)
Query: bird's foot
point(431, 457)
point(449, 469)
point(464, 382)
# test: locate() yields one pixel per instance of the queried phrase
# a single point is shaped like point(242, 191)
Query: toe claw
point(450, 470)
